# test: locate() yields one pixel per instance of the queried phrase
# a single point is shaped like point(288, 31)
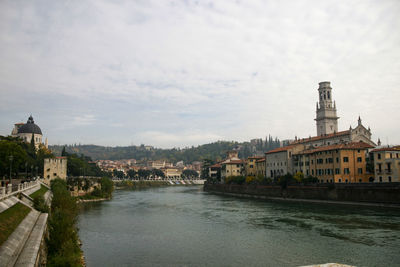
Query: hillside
point(213, 151)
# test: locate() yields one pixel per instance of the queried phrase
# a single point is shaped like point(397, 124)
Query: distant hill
point(213, 151)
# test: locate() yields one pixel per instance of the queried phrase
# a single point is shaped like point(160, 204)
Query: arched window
point(329, 95)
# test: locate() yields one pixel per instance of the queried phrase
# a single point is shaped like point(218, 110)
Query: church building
point(25, 131)
point(327, 124)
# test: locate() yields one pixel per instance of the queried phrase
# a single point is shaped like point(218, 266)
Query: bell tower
point(326, 110)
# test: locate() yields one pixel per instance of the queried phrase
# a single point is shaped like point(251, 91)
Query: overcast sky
point(180, 73)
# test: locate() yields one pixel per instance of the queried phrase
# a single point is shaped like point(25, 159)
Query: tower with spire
point(327, 120)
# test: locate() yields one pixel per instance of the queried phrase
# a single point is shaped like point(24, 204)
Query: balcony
point(378, 171)
point(388, 171)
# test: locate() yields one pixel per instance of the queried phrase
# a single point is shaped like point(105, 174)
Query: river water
point(184, 226)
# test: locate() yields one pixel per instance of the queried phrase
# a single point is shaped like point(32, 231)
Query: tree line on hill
point(214, 151)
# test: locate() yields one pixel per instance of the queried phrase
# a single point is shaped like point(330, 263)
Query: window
point(337, 160)
point(251, 166)
point(390, 178)
point(359, 159)
point(312, 171)
point(379, 156)
point(346, 171)
point(340, 180)
point(358, 151)
point(391, 156)
point(337, 171)
point(360, 170)
point(347, 181)
point(345, 159)
point(380, 179)
point(360, 180)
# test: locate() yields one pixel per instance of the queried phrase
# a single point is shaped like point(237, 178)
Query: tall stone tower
point(327, 120)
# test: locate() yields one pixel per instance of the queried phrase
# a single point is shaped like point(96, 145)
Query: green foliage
point(131, 173)
point(299, 177)
point(214, 151)
point(235, 180)
point(157, 172)
point(63, 249)
point(107, 187)
point(82, 166)
point(285, 180)
point(118, 174)
point(310, 180)
point(251, 180)
point(188, 174)
point(39, 204)
point(22, 153)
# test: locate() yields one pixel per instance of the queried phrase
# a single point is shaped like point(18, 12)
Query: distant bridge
point(170, 181)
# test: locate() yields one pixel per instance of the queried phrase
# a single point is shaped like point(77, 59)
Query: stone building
point(232, 166)
point(327, 124)
point(260, 167)
point(54, 168)
point(278, 162)
point(386, 164)
point(27, 130)
point(327, 120)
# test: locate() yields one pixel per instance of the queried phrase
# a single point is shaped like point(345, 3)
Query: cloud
point(225, 69)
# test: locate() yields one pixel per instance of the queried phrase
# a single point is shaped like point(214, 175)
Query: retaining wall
point(382, 193)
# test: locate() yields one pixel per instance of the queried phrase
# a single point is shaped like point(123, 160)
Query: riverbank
point(378, 195)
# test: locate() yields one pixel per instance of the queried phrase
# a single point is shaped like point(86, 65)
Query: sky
point(183, 73)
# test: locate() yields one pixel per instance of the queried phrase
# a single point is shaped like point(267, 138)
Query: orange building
point(338, 163)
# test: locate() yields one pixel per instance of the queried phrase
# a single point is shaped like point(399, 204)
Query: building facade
point(250, 166)
point(386, 164)
point(27, 131)
point(278, 162)
point(54, 168)
point(338, 163)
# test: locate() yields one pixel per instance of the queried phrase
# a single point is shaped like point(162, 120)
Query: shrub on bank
point(39, 204)
point(235, 180)
point(62, 244)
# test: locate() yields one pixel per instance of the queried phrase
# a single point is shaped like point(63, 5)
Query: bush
point(63, 249)
point(251, 180)
point(39, 204)
point(235, 180)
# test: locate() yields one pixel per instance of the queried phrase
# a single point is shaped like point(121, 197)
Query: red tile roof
point(261, 160)
point(353, 145)
point(320, 137)
point(235, 161)
point(255, 157)
point(216, 166)
point(280, 149)
point(393, 148)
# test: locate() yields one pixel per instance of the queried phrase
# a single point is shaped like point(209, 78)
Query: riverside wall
point(382, 193)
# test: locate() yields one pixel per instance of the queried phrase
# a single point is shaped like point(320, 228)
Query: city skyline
point(186, 73)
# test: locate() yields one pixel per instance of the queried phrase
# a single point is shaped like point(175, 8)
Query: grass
point(10, 219)
point(39, 192)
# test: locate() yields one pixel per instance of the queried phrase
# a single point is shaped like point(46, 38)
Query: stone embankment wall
point(382, 193)
point(26, 245)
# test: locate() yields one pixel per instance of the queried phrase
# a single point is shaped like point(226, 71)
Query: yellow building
point(387, 164)
point(54, 168)
point(172, 173)
point(250, 167)
point(339, 163)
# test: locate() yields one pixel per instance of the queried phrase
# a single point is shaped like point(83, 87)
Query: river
point(184, 226)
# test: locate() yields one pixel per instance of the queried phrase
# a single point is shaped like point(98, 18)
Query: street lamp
point(11, 159)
